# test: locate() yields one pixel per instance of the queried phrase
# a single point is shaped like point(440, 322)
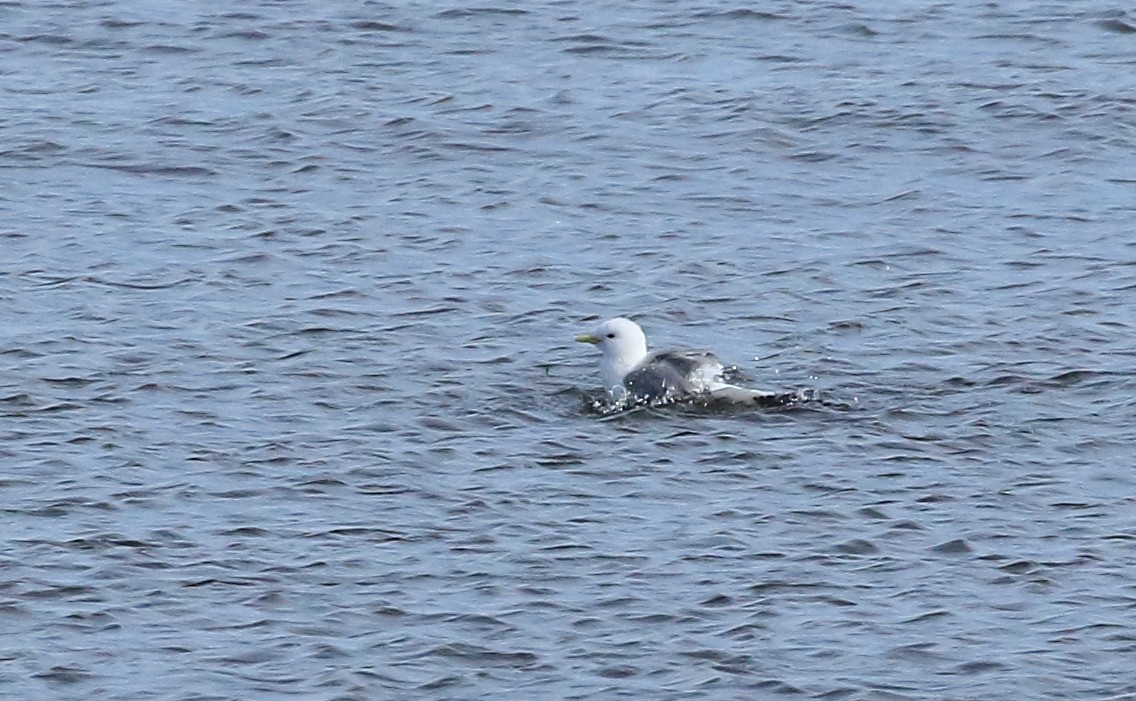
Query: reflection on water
point(291, 406)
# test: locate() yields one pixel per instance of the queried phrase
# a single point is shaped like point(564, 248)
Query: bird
point(632, 374)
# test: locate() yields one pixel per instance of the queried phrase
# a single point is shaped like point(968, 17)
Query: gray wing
point(673, 374)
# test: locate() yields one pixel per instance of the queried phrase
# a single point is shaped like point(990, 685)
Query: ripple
point(290, 393)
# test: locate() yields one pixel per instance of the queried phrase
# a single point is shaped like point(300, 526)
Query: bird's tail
point(755, 397)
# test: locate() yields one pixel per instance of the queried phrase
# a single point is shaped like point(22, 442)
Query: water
point(291, 407)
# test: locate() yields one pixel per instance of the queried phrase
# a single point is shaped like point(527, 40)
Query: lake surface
point(290, 405)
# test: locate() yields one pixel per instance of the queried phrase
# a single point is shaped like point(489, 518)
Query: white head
point(623, 346)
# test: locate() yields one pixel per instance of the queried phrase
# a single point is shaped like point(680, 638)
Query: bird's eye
point(611, 335)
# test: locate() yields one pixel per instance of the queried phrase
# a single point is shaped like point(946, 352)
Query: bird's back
point(674, 373)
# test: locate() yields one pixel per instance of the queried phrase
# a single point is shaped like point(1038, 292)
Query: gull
point(632, 374)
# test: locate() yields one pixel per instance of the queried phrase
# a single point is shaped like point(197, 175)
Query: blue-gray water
point(290, 407)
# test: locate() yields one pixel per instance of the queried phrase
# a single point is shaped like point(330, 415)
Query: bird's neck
point(618, 365)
